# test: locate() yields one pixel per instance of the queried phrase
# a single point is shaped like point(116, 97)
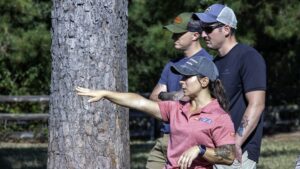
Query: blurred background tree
point(24, 47)
point(269, 26)
point(25, 62)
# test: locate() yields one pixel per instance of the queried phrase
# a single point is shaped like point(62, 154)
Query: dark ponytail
point(217, 91)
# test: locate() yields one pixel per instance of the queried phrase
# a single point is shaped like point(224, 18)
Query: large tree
point(88, 49)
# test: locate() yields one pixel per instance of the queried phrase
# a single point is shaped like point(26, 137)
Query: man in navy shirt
point(186, 38)
point(243, 73)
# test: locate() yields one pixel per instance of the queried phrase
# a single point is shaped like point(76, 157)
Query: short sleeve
point(253, 71)
point(223, 132)
point(164, 75)
point(165, 109)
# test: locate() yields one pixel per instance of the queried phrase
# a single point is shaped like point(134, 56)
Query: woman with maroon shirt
point(202, 133)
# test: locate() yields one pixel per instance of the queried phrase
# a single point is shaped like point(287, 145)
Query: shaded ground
point(278, 151)
point(284, 136)
point(23, 156)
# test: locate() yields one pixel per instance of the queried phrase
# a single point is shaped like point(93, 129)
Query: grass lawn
point(279, 151)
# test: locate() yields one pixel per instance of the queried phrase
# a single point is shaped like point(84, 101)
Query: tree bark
point(88, 49)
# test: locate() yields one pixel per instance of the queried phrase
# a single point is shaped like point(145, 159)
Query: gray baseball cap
point(197, 66)
point(218, 13)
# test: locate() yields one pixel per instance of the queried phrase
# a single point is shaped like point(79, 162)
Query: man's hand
point(166, 96)
point(175, 96)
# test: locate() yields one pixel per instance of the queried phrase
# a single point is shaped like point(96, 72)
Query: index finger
point(81, 89)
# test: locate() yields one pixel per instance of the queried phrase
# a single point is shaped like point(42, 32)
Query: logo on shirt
point(205, 120)
point(226, 71)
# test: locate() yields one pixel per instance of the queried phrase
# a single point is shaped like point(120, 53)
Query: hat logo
point(178, 20)
point(208, 9)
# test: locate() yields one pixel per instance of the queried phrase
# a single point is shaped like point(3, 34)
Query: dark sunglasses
point(176, 36)
point(209, 28)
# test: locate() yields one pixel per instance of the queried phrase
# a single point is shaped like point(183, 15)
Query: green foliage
point(25, 63)
point(269, 26)
point(25, 47)
point(150, 46)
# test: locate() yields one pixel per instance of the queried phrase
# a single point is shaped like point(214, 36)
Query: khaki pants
point(246, 164)
point(158, 155)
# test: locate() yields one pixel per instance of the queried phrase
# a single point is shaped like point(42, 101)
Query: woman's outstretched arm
point(130, 100)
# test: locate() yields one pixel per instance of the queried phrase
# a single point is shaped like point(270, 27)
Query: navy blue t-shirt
point(171, 80)
point(243, 70)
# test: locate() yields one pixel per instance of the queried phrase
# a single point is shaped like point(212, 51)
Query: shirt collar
point(206, 109)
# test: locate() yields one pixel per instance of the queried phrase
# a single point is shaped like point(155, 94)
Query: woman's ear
point(204, 81)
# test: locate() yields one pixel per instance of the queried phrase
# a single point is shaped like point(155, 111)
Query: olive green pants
point(158, 155)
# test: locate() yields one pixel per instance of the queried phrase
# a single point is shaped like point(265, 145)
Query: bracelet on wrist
point(202, 149)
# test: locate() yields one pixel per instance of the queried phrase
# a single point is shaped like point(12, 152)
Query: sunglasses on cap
point(209, 28)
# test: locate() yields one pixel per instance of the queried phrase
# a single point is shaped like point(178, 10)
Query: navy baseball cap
point(197, 66)
point(218, 13)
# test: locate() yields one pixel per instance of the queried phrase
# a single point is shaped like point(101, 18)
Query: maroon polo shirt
point(210, 126)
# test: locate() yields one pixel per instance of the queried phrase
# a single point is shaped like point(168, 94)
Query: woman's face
point(191, 85)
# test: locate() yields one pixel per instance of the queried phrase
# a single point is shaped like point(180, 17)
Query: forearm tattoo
point(225, 152)
point(243, 125)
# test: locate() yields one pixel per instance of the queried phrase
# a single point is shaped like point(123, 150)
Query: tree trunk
point(88, 49)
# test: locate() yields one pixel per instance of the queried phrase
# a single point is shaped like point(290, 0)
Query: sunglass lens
point(207, 29)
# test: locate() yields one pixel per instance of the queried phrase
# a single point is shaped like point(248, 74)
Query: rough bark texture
point(89, 50)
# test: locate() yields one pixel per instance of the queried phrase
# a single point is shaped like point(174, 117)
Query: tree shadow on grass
point(139, 155)
point(23, 158)
point(36, 158)
point(274, 153)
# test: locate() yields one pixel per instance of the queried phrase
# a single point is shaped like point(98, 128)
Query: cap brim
point(175, 29)
point(205, 18)
point(177, 69)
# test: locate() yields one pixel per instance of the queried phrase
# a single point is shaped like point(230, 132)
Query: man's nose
point(203, 34)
